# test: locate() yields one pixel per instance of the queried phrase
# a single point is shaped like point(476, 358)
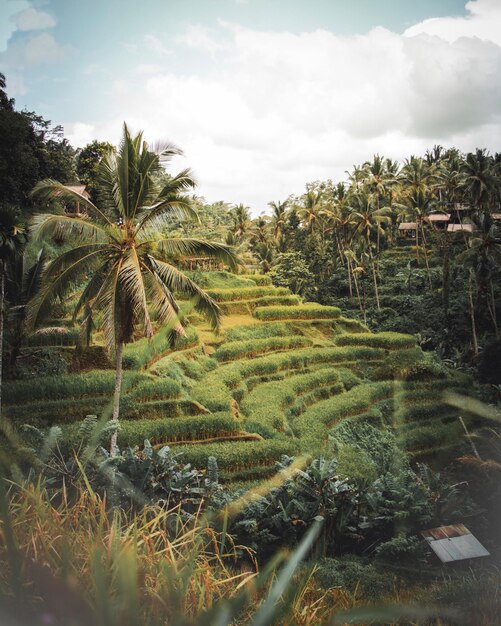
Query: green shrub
point(244, 307)
point(257, 279)
point(388, 340)
point(133, 433)
point(246, 293)
point(260, 331)
point(162, 388)
point(141, 352)
point(311, 426)
point(306, 311)
point(379, 445)
point(356, 575)
point(238, 455)
point(74, 386)
point(54, 336)
point(251, 348)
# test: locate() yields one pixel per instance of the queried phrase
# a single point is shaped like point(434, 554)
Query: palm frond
point(56, 283)
point(131, 279)
point(174, 247)
point(49, 189)
point(161, 214)
point(47, 225)
point(176, 282)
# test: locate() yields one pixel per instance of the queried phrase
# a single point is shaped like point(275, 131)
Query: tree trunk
point(491, 305)
point(446, 278)
point(116, 397)
point(376, 291)
point(472, 315)
point(425, 255)
point(2, 297)
point(349, 278)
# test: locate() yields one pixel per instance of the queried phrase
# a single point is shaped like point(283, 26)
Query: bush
point(246, 293)
point(356, 575)
point(260, 331)
point(238, 455)
point(267, 402)
point(244, 307)
point(389, 341)
point(306, 311)
point(141, 352)
point(257, 279)
point(411, 364)
point(251, 348)
point(133, 433)
point(311, 426)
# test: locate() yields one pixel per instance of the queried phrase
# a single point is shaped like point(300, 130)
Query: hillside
point(278, 380)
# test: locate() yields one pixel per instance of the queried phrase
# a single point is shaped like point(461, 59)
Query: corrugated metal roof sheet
point(454, 543)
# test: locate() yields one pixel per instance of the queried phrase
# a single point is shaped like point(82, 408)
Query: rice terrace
point(222, 408)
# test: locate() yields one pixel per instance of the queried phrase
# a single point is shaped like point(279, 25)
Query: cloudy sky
point(262, 95)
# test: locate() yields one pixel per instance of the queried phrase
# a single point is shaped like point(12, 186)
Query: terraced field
point(277, 380)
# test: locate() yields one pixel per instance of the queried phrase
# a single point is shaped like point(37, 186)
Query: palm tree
point(278, 222)
point(11, 242)
point(240, 216)
point(483, 257)
point(368, 218)
point(311, 210)
point(124, 261)
point(480, 178)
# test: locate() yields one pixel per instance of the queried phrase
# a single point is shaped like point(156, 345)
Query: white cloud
point(279, 109)
point(7, 26)
point(483, 21)
point(32, 19)
point(34, 50)
point(201, 38)
point(156, 45)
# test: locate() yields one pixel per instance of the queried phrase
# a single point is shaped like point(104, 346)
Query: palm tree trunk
point(472, 315)
point(2, 297)
point(492, 308)
point(349, 278)
point(116, 397)
point(376, 291)
point(446, 278)
point(426, 255)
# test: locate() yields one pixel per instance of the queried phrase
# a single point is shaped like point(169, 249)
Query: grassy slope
point(274, 382)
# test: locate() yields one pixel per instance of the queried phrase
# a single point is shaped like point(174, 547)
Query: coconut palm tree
point(480, 181)
point(367, 219)
point(279, 212)
point(120, 256)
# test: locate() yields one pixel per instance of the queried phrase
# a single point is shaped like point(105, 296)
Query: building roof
point(81, 189)
point(438, 217)
point(407, 226)
point(454, 228)
point(454, 543)
point(496, 216)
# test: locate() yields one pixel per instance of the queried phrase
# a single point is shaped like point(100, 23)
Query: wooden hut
point(407, 230)
point(438, 221)
point(73, 209)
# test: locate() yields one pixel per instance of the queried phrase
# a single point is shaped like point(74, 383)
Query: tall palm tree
point(368, 219)
point(483, 257)
point(279, 212)
point(311, 209)
point(481, 180)
point(124, 261)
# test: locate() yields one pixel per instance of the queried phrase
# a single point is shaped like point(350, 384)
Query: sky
point(262, 96)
